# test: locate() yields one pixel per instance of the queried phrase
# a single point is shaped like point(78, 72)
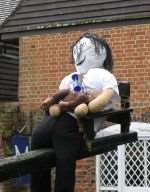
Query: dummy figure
point(94, 87)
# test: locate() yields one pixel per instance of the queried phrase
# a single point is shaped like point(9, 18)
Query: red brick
point(45, 59)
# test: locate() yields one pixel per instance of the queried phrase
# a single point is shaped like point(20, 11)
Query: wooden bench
point(38, 160)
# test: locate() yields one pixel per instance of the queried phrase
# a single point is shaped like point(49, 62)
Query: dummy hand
point(82, 109)
point(45, 103)
point(68, 103)
point(51, 100)
point(78, 99)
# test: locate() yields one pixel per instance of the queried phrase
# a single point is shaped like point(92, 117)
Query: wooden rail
point(38, 160)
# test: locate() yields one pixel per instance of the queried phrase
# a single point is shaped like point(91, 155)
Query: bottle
point(76, 83)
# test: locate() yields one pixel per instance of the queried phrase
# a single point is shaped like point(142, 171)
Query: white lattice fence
point(137, 164)
point(133, 172)
point(107, 171)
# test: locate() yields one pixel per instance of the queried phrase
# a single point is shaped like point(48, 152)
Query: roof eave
point(8, 33)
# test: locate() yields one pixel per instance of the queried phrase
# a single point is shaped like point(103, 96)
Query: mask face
point(86, 56)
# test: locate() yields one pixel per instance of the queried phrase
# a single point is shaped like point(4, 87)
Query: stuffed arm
point(82, 103)
point(69, 103)
point(97, 102)
point(100, 101)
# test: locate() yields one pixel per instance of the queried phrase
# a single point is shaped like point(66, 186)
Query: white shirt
point(95, 79)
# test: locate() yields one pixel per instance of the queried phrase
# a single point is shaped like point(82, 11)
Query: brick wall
point(46, 59)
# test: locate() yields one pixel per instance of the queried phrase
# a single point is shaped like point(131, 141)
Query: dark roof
point(6, 7)
point(32, 15)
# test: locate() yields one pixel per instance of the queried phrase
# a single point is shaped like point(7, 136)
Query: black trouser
point(61, 134)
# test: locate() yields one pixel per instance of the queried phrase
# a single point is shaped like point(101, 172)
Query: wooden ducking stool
point(38, 160)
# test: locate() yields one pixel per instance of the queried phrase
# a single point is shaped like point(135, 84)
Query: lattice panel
point(137, 164)
point(148, 163)
point(108, 169)
point(134, 164)
point(137, 167)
